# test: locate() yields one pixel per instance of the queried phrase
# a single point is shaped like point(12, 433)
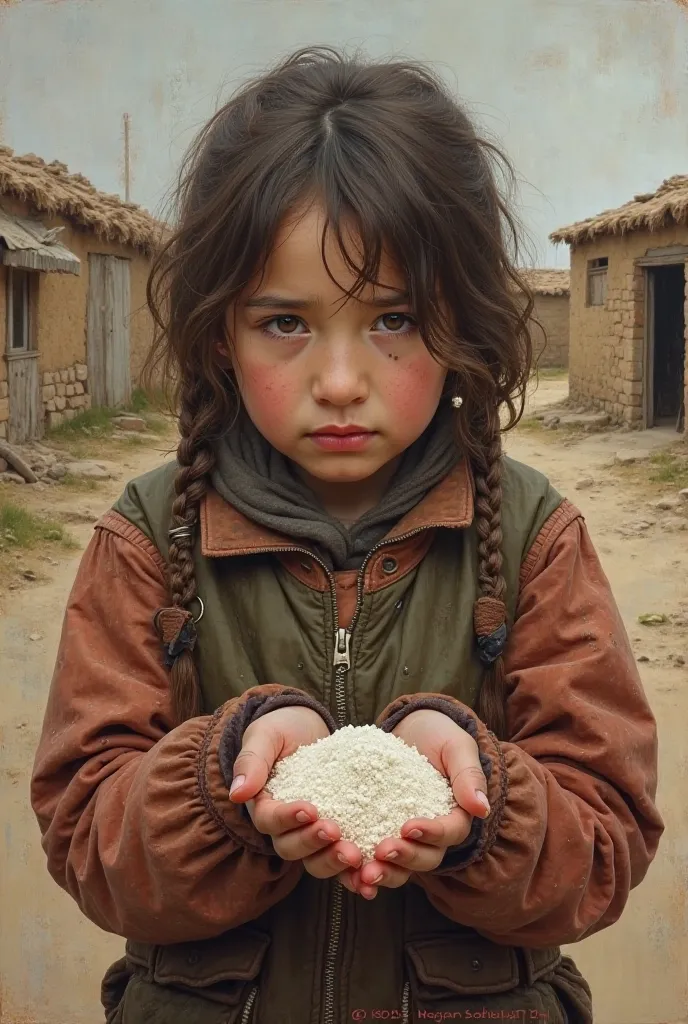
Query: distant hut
point(628, 308)
point(551, 292)
point(74, 327)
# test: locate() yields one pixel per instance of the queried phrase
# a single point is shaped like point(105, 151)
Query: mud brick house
point(628, 308)
point(551, 292)
point(74, 326)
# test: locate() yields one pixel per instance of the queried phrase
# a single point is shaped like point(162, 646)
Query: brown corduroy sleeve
point(573, 826)
point(135, 814)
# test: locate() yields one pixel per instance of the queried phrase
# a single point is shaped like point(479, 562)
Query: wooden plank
point(108, 330)
point(95, 335)
point(26, 413)
point(120, 381)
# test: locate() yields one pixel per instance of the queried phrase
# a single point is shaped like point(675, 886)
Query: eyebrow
point(284, 302)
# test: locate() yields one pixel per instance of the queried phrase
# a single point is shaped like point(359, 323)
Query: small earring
point(457, 401)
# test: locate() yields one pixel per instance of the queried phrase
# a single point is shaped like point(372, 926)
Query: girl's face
point(340, 386)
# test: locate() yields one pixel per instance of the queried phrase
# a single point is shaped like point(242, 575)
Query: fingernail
point(414, 834)
point(239, 781)
point(303, 816)
point(324, 835)
point(481, 798)
point(393, 855)
point(376, 881)
point(343, 859)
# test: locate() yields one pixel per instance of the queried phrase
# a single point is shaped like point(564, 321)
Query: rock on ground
point(129, 422)
point(91, 470)
point(631, 457)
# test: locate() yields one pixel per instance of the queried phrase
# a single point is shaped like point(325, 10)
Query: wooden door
point(26, 411)
point(109, 303)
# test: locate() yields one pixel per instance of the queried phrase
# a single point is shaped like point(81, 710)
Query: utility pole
point(127, 163)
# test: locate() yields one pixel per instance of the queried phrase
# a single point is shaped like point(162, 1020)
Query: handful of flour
point(369, 782)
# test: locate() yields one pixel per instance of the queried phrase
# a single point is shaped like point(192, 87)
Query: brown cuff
point(255, 706)
point(483, 830)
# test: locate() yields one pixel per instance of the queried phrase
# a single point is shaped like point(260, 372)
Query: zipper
point(405, 1016)
point(341, 663)
point(248, 1006)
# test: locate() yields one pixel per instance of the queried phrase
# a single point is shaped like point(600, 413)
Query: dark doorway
point(668, 352)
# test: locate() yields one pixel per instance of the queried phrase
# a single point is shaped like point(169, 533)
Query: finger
point(374, 875)
point(347, 880)
point(252, 766)
point(300, 843)
point(405, 855)
point(331, 861)
point(445, 830)
point(274, 817)
point(462, 765)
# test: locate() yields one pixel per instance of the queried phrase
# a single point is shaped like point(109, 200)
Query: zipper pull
point(342, 648)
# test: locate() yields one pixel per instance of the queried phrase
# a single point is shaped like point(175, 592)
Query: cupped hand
point(424, 841)
point(296, 831)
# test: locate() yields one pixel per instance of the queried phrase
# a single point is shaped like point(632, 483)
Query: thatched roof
point(51, 189)
point(646, 212)
point(547, 282)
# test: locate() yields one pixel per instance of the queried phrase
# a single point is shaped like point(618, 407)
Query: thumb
point(467, 778)
point(252, 766)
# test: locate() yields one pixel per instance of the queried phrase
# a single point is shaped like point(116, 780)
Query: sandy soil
point(52, 960)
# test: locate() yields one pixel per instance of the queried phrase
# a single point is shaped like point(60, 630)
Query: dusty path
point(52, 960)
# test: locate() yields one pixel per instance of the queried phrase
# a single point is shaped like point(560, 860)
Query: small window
point(18, 310)
point(597, 281)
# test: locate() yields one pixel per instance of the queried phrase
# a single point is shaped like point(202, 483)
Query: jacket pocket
point(573, 992)
point(210, 982)
point(112, 990)
point(465, 974)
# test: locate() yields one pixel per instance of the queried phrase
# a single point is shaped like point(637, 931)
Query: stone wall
point(607, 345)
point(65, 393)
point(552, 312)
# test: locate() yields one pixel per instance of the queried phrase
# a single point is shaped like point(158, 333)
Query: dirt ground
point(51, 959)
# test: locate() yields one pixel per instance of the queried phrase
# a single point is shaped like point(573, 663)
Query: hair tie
point(489, 623)
point(176, 628)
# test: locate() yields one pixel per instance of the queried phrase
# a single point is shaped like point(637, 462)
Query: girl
point(340, 539)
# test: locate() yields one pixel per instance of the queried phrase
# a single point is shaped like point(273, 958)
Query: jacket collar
point(225, 531)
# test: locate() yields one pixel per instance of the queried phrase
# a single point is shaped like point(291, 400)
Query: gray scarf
point(263, 485)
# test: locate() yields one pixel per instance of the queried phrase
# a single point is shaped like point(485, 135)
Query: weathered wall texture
point(551, 343)
point(61, 319)
point(554, 80)
point(607, 349)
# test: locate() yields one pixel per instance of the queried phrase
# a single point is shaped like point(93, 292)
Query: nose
point(340, 377)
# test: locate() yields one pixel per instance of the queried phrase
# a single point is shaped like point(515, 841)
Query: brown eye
point(394, 323)
point(284, 326)
point(287, 324)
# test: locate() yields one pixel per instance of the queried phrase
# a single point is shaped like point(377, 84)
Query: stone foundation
point(65, 394)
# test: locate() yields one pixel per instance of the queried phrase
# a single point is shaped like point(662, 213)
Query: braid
point(490, 608)
point(196, 461)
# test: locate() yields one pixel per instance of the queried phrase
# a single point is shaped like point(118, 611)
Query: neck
point(348, 502)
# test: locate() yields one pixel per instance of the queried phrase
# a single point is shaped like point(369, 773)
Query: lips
point(350, 438)
point(332, 430)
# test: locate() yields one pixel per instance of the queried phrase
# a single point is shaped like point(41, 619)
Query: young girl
point(340, 540)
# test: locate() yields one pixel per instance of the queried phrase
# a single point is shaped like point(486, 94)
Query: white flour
point(367, 781)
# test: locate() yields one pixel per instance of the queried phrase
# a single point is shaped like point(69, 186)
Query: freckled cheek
point(270, 394)
point(412, 389)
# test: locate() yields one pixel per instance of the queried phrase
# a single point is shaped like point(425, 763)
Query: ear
point(223, 355)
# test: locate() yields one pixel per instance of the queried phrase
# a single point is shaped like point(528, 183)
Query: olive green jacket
point(135, 813)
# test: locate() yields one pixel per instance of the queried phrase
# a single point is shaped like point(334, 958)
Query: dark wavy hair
point(383, 146)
